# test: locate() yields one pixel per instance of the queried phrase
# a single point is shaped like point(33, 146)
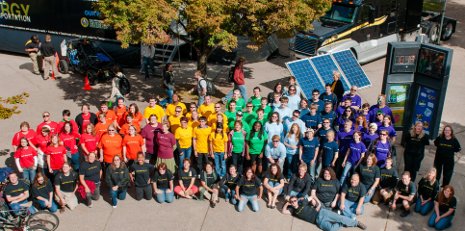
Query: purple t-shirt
point(367, 138)
point(374, 110)
point(344, 138)
point(356, 100)
point(382, 152)
point(356, 150)
point(166, 142)
point(390, 129)
point(148, 133)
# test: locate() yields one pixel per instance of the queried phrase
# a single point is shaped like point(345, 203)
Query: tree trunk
point(202, 62)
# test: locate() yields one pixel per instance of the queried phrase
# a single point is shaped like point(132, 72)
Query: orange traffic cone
point(86, 84)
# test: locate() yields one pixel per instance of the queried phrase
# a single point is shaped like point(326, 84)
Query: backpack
point(210, 87)
point(124, 85)
point(231, 74)
point(4, 172)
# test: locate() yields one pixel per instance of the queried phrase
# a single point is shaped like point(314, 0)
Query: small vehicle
point(84, 57)
point(42, 220)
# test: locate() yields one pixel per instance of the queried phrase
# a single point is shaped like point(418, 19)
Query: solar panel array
point(315, 72)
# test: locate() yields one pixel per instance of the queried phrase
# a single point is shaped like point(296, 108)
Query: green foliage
point(7, 112)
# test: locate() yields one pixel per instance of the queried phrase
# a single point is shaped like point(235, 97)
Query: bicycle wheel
point(44, 220)
point(37, 228)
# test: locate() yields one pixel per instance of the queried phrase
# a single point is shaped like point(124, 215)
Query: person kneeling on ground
point(186, 176)
point(428, 188)
point(42, 192)
point(229, 183)
point(140, 175)
point(388, 182)
point(117, 178)
point(405, 192)
point(444, 209)
point(65, 187)
point(249, 189)
point(325, 219)
point(209, 181)
point(352, 197)
point(90, 173)
point(162, 182)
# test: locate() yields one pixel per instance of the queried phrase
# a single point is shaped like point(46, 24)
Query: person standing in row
point(48, 52)
point(140, 175)
point(447, 145)
point(415, 141)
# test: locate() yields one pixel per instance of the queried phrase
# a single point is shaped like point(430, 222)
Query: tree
point(211, 24)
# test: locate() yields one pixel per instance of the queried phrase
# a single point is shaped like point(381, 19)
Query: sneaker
point(89, 205)
point(212, 204)
point(361, 226)
point(339, 212)
point(114, 206)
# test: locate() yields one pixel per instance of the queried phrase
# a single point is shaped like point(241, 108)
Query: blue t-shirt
point(308, 148)
point(321, 134)
point(291, 140)
point(382, 152)
point(330, 115)
point(320, 105)
point(329, 151)
point(311, 121)
point(345, 138)
point(356, 150)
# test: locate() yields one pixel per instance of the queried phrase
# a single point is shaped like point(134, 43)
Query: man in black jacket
point(48, 52)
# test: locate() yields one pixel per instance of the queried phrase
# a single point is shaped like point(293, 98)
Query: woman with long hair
point(274, 184)
point(209, 184)
point(361, 124)
point(369, 176)
point(354, 156)
point(291, 141)
point(56, 155)
point(415, 141)
point(256, 141)
point(274, 126)
point(219, 148)
point(65, 187)
point(388, 126)
point(88, 140)
point(325, 191)
point(117, 179)
point(428, 188)
point(237, 147)
point(229, 183)
point(278, 90)
point(136, 115)
point(186, 186)
point(444, 209)
point(69, 139)
point(133, 143)
point(447, 145)
point(26, 159)
point(249, 189)
point(42, 192)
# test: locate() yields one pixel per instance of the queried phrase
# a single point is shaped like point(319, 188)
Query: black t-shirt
point(273, 178)
point(249, 187)
point(426, 190)
point(162, 181)
point(209, 179)
point(231, 182)
point(186, 177)
point(416, 145)
point(300, 185)
point(326, 190)
point(389, 178)
point(15, 190)
point(446, 148)
point(90, 171)
point(354, 193)
point(368, 175)
point(406, 190)
point(31, 45)
point(305, 211)
point(445, 206)
point(66, 183)
point(42, 190)
point(141, 173)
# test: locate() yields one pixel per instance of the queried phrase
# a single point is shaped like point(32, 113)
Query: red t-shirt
point(133, 145)
point(85, 122)
point(89, 141)
point(57, 156)
point(30, 135)
point(165, 145)
point(41, 142)
point(69, 141)
point(26, 157)
point(120, 112)
point(53, 127)
point(74, 126)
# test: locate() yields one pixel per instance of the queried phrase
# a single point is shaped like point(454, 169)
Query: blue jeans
point(187, 155)
point(245, 199)
point(16, 207)
point(311, 168)
point(169, 99)
point(241, 88)
point(117, 194)
point(367, 197)
point(42, 205)
point(147, 61)
point(75, 161)
point(297, 194)
point(423, 209)
point(345, 172)
point(291, 161)
point(229, 196)
point(201, 100)
point(350, 208)
point(220, 164)
point(29, 174)
point(328, 220)
point(443, 223)
point(164, 196)
point(274, 184)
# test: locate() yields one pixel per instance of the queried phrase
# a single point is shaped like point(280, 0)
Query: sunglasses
point(383, 134)
point(275, 141)
point(178, 111)
point(46, 116)
point(111, 130)
point(326, 122)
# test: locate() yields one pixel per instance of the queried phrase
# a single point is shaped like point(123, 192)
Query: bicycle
point(25, 221)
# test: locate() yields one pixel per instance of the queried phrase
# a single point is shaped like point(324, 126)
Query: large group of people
point(326, 156)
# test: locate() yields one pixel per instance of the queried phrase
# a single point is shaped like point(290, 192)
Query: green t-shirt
point(240, 104)
point(256, 102)
point(266, 112)
point(256, 144)
point(231, 117)
point(237, 141)
point(249, 117)
point(263, 121)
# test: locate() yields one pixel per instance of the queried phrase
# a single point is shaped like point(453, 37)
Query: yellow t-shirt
point(157, 110)
point(175, 123)
point(212, 119)
point(206, 110)
point(171, 109)
point(184, 137)
point(201, 139)
point(218, 141)
point(193, 124)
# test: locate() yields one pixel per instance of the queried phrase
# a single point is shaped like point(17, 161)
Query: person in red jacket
point(26, 160)
point(239, 80)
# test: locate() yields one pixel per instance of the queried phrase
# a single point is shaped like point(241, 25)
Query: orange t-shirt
point(120, 111)
point(125, 129)
point(101, 129)
point(133, 145)
point(136, 119)
point(110, 116)
point(111, 146)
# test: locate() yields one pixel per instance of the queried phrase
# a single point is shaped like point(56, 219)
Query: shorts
point(254, 158)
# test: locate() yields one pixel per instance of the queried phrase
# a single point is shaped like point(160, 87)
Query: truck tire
point(433, 33)
point(63, 67)
point(447, 31)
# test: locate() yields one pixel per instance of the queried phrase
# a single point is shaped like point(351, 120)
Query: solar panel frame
point(306, 75)
point(351, 70)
